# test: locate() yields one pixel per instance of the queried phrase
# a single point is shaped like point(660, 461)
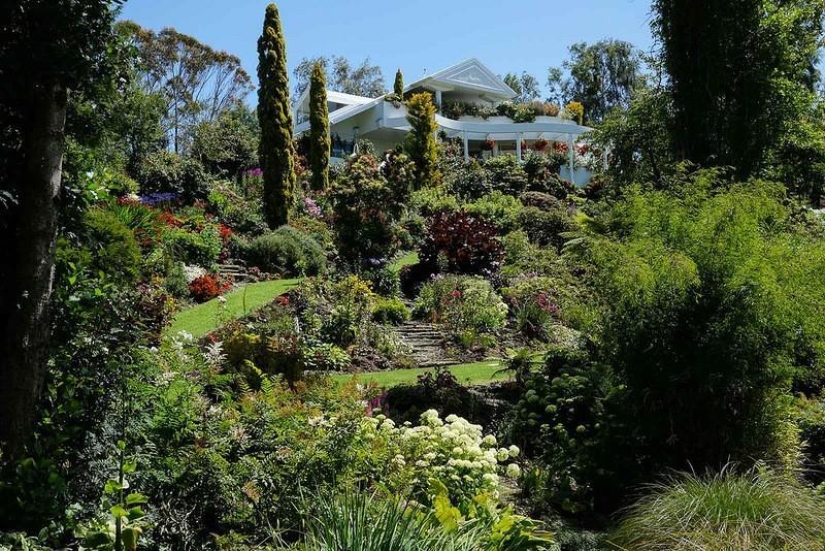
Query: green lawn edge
point(407, 260)
point(204, 318)
point(477, 373)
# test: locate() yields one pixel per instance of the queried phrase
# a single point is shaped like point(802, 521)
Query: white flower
point(513, 470)
point(514, 451)
point(502, 455)
point(489, 441)
point(452, 418)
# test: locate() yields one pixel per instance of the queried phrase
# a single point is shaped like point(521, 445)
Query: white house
point(469, 92)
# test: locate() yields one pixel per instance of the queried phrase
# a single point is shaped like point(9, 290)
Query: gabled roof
point(471, 74)
point(335, 97)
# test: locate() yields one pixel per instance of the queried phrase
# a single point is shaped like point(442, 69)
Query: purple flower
point(312, 208)
point(254, 173)
point(154, 199)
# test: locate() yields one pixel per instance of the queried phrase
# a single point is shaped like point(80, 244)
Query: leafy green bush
point(727, 510)
point(562, 418)
point(506, 174)
point(286, 251)
point(114, 250)
point(523, 258)
point(390, 311)
point(467, 179)
point(708, 298)
point(372, 523)
point(433, 200)
point(366, 212)
point(542, 173)
point(462, 303)
point(168, 172)
point(501, 209)
point(545, 227)
point(193, 247)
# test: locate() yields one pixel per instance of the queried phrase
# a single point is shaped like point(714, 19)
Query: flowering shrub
point(463, 243)
point(207, 287)
point(453, 452)
point(534, 303)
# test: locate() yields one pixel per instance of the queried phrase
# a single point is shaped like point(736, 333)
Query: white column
point(570, 146)
point(518, 146)
point(438, 98)
point(466, 147)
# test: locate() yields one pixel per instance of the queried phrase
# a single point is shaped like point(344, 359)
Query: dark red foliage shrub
point(208, 287)
point(226, 233)
point(460, 242)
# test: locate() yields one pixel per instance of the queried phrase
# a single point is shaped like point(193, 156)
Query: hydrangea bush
point(452, 451)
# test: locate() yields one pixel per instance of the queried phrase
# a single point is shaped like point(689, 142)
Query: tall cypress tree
point(275, 117)
point(421, 144)
point(398, 87)
point(319, 142)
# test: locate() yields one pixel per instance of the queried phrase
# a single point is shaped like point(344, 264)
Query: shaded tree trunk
point(26, 291)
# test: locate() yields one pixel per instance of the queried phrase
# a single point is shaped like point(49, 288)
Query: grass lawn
point(203, 318)
point(407, 260)
point(473, 374)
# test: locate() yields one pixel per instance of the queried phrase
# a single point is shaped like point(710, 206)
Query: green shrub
point(432, 200)
point(543, 201)
point(390, 311)
point(168, 172)
point(192, 247)
point(325, 357)
point(506, 174)
point(708, 300)
point(462, 303)
point(503, 210)
point(114, 250)
point(467, 179)
point(383, 280)
point(286, 251)
point(754, 510)
point(563, 419)
point(366, 212)
point(371, 523)
point(544, 228)
point(522, 258)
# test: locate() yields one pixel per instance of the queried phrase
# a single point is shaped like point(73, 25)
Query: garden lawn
point(472, 374)
point(407, 260)
point(204, 318)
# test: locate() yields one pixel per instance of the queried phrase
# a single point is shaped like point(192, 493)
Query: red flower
point(170, 220)
point(225, 231)
point(207, 287)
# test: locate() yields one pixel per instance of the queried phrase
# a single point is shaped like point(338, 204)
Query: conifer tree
point(398, 87)
point(276, 149)
point(319, 142)
point(421, 143)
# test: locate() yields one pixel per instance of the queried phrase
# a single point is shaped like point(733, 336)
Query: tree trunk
point(24, 342)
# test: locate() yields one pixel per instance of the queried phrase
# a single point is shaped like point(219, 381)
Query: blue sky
point(410, 34)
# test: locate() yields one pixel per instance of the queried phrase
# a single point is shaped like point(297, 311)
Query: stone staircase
point(238, 273)
point(425, 342)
